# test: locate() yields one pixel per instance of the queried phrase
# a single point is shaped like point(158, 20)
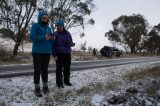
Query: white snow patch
point(148, 103)
point(158, 104)
point(158, 93)
point(21, 104)
point(97, 100)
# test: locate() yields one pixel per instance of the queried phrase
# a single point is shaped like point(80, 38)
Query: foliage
point(128, 30)
point(74, 12)
point(153, 38)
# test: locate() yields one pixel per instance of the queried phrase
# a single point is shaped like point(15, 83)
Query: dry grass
point(62, 96)
point(85, 90)
point(84, 102)
point(112, 85)
point(151, 90)
point(150, 86)
point(98, 87)
point(132, 55)
point(140, 74)
point(81, 56)
point(6, 57)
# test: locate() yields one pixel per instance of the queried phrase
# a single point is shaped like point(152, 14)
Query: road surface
point(7, 71)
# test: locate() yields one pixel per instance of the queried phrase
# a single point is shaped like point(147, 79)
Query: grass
point(84, 102)
point(6, 57)
point(144, 54)
point(61, 96)
point(132, 55)
point(88, 91)
point(149, 87)
point(140, 74)
point(85, 90)
point(98, 87)
point(49, 99)
point(151, 90)
point(111, 85)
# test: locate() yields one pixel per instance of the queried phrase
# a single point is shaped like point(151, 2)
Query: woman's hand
point(53, 37)
point(72, 44)
point(48, 37)
point(55, 58)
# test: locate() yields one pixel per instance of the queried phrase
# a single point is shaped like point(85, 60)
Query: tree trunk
point(15, 50)
point(20, 39)
point(133, 49)
point(158, 51)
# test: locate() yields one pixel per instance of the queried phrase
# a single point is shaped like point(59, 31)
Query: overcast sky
point(108, 10)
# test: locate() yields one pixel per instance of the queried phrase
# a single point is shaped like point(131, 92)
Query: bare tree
point(74, 12)
point(15, 16)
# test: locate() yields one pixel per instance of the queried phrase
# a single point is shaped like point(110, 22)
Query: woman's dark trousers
point(40, 62)
point(63, 69)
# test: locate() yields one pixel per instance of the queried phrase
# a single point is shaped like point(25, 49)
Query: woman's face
point(44, 19)
point(60, 28)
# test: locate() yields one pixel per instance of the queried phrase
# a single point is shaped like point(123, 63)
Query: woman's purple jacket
point(62, 43)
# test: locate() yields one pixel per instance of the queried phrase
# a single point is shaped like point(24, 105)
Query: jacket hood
point(41, 13)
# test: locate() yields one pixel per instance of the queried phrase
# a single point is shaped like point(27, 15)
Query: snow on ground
point(9, 44)
point(90, 87)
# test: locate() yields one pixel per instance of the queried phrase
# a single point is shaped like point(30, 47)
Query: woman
point(61, 51)
point(41, 49)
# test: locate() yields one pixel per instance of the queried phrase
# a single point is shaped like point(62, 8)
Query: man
point(94, 52)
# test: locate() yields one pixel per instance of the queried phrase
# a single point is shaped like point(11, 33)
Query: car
point(108, 51)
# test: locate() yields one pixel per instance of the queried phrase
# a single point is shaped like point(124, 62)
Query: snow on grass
point(90, 87)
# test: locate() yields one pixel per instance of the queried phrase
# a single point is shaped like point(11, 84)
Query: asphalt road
point(7, 71)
